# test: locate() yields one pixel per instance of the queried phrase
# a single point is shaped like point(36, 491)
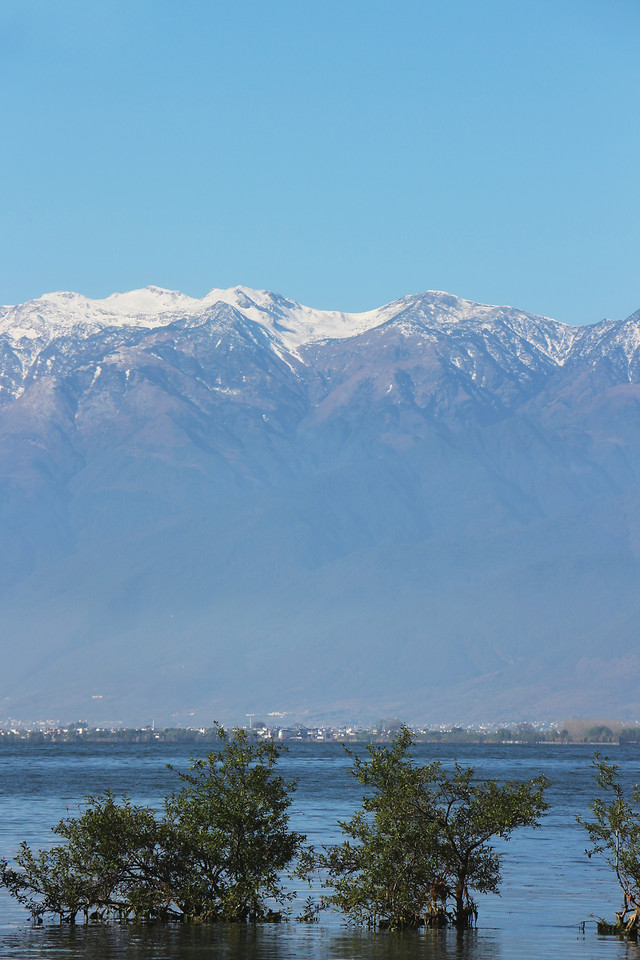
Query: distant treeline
point(574, 731)
point(596, 734)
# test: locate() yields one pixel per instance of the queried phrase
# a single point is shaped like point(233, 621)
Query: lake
point(549, 889)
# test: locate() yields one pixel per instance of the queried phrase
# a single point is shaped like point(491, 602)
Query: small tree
point(614, 833)
point(109, 867)
point(419, 845)
point(217, 854)
point(229, 832)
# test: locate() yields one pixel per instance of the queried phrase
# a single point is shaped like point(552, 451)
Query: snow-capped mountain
point(55, 317)
point(239, 503)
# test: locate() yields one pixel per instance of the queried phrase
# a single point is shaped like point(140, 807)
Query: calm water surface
point(549, 886)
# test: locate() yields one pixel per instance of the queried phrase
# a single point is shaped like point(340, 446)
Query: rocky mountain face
point(239, 504)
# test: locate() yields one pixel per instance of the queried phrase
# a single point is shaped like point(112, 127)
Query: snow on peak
point(289, 325)
point(293, 323)
point(509, 335)
point(149, 301)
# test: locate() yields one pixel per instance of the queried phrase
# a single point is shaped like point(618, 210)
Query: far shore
point(587, 732)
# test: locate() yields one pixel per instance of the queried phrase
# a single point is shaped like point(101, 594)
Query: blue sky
point(341, 153)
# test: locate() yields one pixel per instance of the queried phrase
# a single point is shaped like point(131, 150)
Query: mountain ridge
point(155, 302)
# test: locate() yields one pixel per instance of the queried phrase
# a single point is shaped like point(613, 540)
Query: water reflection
point(296, 942)
point(244, 943)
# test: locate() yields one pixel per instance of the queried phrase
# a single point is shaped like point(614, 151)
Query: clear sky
point(341, 152)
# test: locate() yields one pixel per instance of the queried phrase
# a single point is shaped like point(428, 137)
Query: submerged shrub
point(614, 833)
point(419, 846)
point(217, 852)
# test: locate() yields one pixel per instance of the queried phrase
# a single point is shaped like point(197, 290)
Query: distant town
point(571, 731)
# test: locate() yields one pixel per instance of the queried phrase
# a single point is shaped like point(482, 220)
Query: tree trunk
point(460, 918)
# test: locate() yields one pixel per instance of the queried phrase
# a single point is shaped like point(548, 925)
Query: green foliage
point(109, 866)
point(229, 832)
point(614, 833)
point(420, 842)
point(600, 733)
point(217, 853)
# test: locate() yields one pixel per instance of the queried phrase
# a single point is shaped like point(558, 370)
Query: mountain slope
point(240, 504)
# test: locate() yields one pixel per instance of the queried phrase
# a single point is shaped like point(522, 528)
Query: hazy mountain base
point(222, 615)
point(318, 543)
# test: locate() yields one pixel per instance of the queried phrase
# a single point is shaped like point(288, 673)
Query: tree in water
point(419, 846)
point(217, 853)
point(614, 833)
point(109, 867)
point(229, 832)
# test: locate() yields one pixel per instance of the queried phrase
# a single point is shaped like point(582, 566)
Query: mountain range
point(239, 504)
